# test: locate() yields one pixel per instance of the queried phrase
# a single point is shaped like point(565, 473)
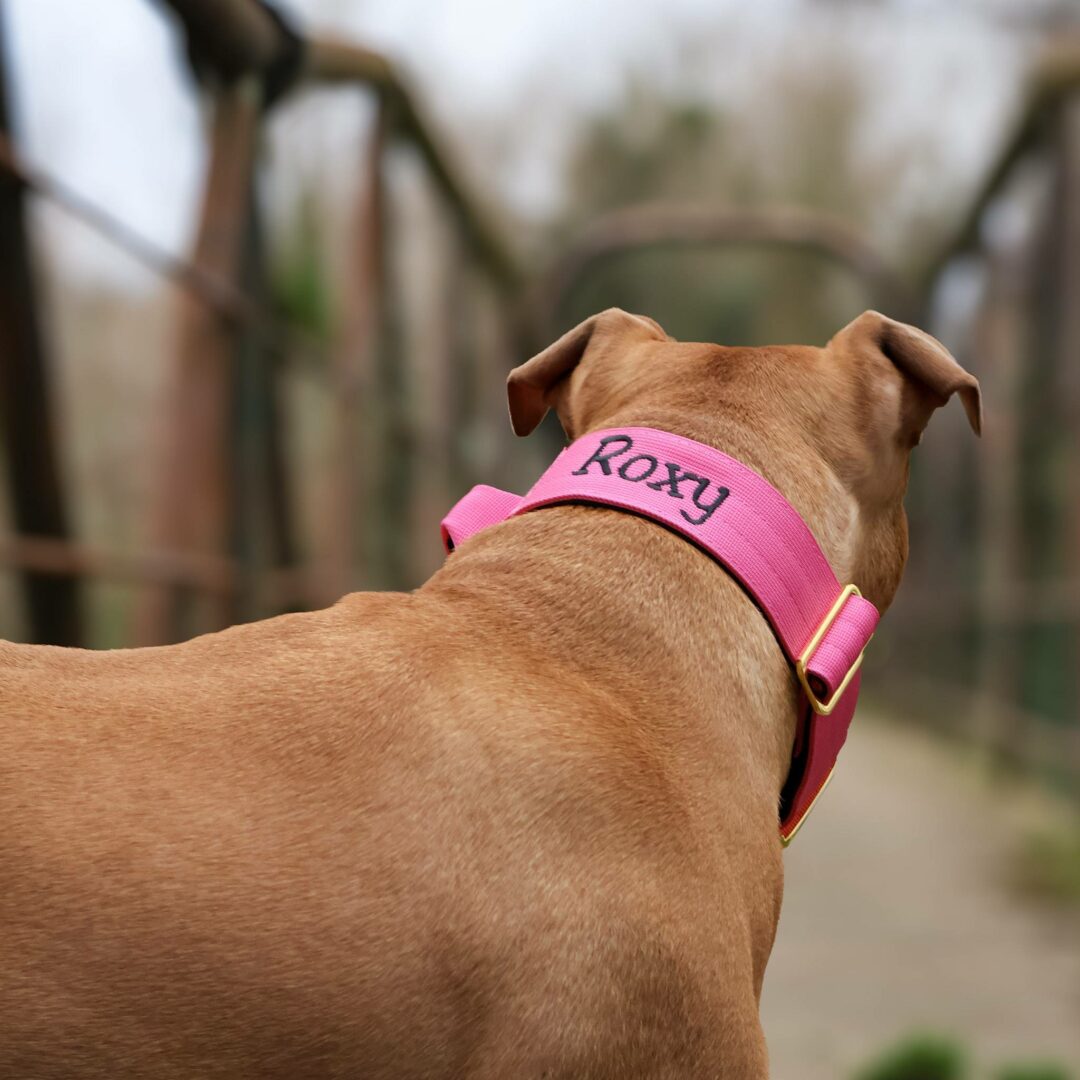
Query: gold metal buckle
point(823, 708)
point(786, 840)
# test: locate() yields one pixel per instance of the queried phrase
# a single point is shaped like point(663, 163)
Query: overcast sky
point(102, 100)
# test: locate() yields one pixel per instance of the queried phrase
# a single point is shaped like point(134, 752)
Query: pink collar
point(744, 523)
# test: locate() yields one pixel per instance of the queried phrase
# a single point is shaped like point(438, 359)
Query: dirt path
point(896, 919)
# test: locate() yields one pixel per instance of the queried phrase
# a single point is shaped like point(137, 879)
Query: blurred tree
point(800, 142)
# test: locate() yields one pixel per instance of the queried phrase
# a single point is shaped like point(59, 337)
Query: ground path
point(897, 917)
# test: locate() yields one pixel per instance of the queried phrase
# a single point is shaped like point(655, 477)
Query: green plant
point(925, 1056)
point(919, 1057)
point(1046, 1070)
point(1047, 865)
point(299, 283)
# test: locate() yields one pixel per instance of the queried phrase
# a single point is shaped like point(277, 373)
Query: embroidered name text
point(667, 477)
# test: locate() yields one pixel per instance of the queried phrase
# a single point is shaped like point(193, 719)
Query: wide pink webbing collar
point(747, 526)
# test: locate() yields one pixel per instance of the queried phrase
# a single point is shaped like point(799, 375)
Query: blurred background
point(264, 267)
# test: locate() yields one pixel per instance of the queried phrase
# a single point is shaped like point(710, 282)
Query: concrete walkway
point(897, 918)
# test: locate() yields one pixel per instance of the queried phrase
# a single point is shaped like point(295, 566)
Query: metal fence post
point(29, 424)
point(190, 510)
point(353, 363)
point(999, 341)
point(1069, 347)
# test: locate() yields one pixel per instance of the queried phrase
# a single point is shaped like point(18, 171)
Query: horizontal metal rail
point(243, 36)
point(331, 61)
point(207, 574)
point(211, 289)
point(659, 225)
point(235, 37)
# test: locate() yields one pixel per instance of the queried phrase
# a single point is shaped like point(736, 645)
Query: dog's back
point(351, 842)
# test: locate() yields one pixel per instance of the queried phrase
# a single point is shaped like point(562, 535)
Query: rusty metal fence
point(986, 637)
point(246, 60)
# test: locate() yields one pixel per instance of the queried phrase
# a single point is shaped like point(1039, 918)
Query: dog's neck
point(638, 615)
point(617, 601)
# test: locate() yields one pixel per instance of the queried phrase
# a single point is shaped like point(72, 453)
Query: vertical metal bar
point(433, 363)
point(262, 508)
point(459, 305)
point(245, 421)
point(1068, 286)
point(190, 510)
point(29, 424)
point(506, 354)
point(490, 365)
point(391, 449)
point(1000, 332)
point(330, 61)
point(284, 551)
point(354, 364)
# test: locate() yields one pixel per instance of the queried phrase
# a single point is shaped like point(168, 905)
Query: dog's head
point(832, 428)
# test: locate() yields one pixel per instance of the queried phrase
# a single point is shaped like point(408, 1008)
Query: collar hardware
point(824, 708)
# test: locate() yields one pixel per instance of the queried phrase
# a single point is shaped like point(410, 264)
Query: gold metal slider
point(823, 708)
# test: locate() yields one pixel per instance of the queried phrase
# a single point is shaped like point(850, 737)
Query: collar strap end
point(482, 507)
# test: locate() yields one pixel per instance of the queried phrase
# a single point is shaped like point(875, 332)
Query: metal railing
point(997, 592)
point(247, 59)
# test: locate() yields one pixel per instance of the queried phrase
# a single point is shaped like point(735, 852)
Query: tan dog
point(462, 832)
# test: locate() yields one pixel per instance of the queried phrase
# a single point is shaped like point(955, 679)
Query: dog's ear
point(931, 373)
point(537, 385)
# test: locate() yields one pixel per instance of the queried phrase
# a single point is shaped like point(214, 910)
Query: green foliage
point(300, 287)
point(938, 1057)
point(1033, 1071)
point(798, 142)
point(1047, 866)
point(920, 1057)
point(649, 146)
